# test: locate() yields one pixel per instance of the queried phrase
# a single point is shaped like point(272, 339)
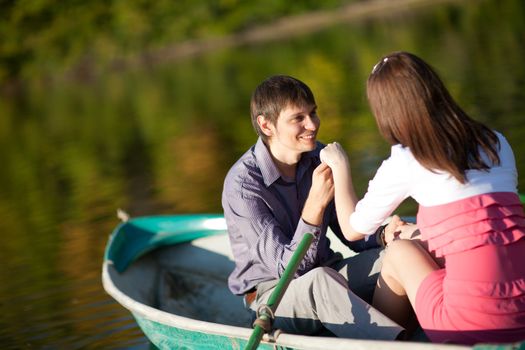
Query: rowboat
point(171, 273)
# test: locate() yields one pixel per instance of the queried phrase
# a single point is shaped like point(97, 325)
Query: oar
point(266, 314)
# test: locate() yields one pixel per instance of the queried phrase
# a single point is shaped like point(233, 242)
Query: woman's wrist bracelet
point(380, 235)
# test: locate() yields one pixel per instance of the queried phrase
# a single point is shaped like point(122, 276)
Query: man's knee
point(326, 276)
point(362, 271)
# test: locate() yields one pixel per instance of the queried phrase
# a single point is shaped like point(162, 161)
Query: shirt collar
point(269, 170)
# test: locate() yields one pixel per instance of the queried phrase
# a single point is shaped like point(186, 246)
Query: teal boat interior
point(134, 238)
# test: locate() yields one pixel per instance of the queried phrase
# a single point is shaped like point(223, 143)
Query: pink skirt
point(456, 305)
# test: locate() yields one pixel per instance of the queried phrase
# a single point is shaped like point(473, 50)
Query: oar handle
point(280, 289)
point(289, 272)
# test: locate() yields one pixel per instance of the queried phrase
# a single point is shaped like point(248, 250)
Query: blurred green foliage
point(42, 36)
point(86, 146)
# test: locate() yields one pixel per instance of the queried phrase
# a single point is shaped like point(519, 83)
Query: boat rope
point(264, 318)
point(272, 338)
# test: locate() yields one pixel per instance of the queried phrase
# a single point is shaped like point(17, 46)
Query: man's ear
point(265, 125)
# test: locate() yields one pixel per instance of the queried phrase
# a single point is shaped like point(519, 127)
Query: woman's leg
point(405, 265)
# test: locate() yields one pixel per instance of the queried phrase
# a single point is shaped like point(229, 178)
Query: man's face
point(295, 130)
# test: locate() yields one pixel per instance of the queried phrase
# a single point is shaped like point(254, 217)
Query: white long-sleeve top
point(401, 176)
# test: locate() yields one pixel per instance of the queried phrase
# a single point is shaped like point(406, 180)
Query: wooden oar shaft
point(280, 289)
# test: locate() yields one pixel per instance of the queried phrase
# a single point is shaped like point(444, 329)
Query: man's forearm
point(313, 213)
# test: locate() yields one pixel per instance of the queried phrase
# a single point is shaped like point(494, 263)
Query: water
point(159, 140)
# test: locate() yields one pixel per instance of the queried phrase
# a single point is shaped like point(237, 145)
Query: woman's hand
point(399, 229)
point(334, 156)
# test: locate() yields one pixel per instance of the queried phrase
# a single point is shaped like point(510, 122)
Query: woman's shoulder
point(401, 161)
point(502, 139)
point(505, 151)
point(401, 153)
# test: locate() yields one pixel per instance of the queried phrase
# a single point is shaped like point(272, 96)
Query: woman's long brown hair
point(413, 108)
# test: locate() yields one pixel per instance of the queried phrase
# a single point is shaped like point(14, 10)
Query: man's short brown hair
point(275, 94)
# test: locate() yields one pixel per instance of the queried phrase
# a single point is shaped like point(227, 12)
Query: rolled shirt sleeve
point(261, 245)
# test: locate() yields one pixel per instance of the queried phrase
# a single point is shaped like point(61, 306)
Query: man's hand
point(322, 189)
point(321, 193)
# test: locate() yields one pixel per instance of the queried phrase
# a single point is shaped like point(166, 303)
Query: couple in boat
point(460, 276)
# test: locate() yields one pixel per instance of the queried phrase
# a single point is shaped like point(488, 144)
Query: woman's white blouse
point(401, 176)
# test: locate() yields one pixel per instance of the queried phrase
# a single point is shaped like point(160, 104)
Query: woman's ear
point(265, 125)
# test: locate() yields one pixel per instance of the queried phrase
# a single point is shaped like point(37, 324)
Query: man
point(274, 194)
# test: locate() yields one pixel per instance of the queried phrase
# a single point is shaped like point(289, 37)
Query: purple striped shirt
point(263, 215)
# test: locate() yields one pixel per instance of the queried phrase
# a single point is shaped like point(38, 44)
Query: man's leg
point(362, 271)
point(321, 298)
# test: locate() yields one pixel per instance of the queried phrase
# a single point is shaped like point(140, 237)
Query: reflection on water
point(58, 304)
point(160, 140)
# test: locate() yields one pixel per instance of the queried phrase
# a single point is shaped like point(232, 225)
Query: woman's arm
point(345, 198)
point(387, 192)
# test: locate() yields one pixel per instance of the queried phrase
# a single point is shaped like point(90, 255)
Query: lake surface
point(160, 139)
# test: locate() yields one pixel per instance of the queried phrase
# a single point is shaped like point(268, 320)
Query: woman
point(464, 178)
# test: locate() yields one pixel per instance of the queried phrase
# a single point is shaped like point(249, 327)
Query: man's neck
point(286, 162)
point(286, 170)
